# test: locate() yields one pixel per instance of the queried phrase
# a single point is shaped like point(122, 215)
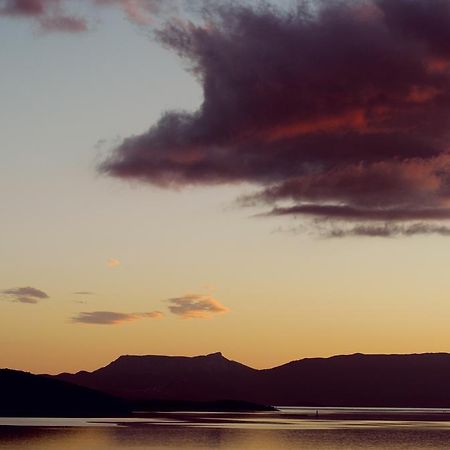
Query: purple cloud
point(338, 112)
point(113, 318)
point(53, 15)
point(27, 294)
point(50, 15)
point(24, 7)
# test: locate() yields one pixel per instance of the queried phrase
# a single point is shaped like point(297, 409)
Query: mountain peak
point(215, 355)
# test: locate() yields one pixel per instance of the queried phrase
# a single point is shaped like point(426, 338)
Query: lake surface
point(291, 428)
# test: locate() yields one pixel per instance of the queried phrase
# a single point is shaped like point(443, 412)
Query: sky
point(271, 182)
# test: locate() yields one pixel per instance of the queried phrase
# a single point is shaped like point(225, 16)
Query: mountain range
point(416, 380)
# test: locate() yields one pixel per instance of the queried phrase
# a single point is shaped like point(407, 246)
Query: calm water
point(288, 429)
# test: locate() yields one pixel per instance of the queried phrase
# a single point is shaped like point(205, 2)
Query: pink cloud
point(54, 15)
point(194, 306)
point(113, 318)
point(113, 262)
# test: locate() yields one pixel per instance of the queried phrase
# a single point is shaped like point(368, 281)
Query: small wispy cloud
point(113, 262)
point(386, 230)
point(153, 315)
point(50, 15)
point(82, 294)
point(65, 24)
point(28, 294)
point(195, 306)
point(141, 12)
point(113, 318)
point(57, 16)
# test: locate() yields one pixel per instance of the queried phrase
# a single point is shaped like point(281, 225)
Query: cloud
point(387, 230)
point(113, 318)
point(50, 15)
point(350, 213)
point(142, 12)
point(27, 294)
point(339, 111)
point(53, 15)
point(113, 262)
point(67, 24)
point(23, 7)
point(193, 306)
point(84, 294)
point(153, 315)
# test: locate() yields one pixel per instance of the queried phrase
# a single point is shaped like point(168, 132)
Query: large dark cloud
point(27, 294)
point(338, 111)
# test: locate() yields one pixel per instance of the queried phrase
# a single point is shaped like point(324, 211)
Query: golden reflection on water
point(171, 438)
point(185, 431)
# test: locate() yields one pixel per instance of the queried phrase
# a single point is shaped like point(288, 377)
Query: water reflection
point(169, 438)
point(287, 430)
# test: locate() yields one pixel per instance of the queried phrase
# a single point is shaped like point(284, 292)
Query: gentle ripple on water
point(284, 430)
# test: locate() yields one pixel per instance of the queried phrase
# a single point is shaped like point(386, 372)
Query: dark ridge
point(24, 394)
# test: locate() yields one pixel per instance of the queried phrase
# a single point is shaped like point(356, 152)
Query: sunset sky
point(185, 177)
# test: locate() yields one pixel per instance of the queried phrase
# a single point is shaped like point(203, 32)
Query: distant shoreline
point(400, 417)
point(261, 419)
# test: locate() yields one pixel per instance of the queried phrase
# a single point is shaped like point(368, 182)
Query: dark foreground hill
point(421, 380)
point(23, 394)
point(26, 395)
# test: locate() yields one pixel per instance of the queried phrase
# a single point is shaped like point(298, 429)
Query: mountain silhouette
point(175, 378)
point(416, 380)
point(25, 394)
